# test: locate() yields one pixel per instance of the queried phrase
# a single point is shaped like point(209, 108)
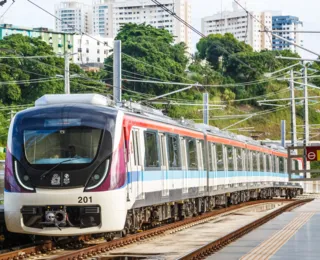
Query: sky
point(23, 13)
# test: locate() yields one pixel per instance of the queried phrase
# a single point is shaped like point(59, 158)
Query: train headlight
point(98, 176)
point(22, 176)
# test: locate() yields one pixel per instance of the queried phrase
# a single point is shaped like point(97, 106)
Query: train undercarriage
point(144, 218)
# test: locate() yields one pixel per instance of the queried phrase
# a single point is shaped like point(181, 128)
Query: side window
point(258, 162)
point(151, 149)
point(254, 161)
point(285, 165)
point(204, 158)
point(275, 159)
point(136, 148)
point(281, 164)
point(174, 152)
point(219, 151)
point(210, 156)
point(192, 154)
point(239, 159)
point(262, 162)
point(230, 158)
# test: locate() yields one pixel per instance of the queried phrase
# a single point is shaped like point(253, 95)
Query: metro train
point(76, 164)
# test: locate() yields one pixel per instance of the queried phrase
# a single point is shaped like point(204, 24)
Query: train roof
point(136, 109)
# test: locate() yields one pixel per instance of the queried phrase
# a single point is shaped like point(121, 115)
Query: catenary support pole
point(117, 91)
point(206, 108)
point(306, 127)
point(293, 112)
point(66, 73)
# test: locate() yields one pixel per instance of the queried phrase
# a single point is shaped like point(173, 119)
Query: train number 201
point(84, 199)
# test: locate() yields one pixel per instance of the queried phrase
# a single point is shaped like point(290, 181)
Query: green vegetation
point(151, 54)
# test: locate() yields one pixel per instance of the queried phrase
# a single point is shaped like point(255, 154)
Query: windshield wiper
point(44, 175)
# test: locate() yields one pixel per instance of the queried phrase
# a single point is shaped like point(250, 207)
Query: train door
point(164, 165)
point(225, 158)
point(202, 162)
point(137, 165)
point(184, 165)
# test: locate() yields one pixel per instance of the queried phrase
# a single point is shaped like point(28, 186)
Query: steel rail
point(216, 245)
point(103, 248)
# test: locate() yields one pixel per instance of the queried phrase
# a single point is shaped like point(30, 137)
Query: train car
point(78, 165)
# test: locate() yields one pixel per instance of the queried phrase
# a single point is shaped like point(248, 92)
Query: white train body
point(76, 166)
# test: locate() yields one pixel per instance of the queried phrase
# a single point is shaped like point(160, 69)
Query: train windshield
point(57, 142)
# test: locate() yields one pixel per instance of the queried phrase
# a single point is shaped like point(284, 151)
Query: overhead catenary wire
point(7, 10)
point(124, 54)
point(198, 32)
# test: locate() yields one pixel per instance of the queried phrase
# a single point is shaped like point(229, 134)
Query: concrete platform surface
point(292, 235)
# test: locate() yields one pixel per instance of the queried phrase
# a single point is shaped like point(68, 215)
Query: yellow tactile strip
point(270, 246)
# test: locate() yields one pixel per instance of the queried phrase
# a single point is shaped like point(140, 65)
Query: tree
point(149, 53)
point(22, 72)
point(216, 46)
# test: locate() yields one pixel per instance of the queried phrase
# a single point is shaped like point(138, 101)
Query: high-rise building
point(74, 17)
point(288, 27)
point(100, 18)
point(59, 41)
point(243, 26)
point(121, 12)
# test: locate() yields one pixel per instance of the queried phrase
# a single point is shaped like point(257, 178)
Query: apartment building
point(243, 26)
point(59, 41)
point(287, 26)
point(73, 17)
point(121, 12)
point(100, 18)
point(90, 50)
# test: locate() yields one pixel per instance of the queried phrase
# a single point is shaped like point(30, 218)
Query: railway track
point(95, 248)
point(218, 244)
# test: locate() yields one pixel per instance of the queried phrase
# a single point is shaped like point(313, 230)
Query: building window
point(98, 51)
point(98, 59)
point(87, 50)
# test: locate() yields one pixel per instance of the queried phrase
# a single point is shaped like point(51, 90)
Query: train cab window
point(151, 149)
point(230, 158)
point(174, 152)
point(219, 154)
point(192, 154)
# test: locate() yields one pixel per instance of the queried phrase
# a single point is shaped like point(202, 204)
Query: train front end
point(65, 169)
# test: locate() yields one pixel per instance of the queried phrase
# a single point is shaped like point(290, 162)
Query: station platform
point(292, 235)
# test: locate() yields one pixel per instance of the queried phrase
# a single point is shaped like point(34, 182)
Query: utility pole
point(306, 126)
point(66, 73)
point(293, 112)
point(117, 78)
point(206, 108)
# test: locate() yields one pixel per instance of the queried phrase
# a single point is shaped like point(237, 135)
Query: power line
point(158, 68)
point(71, 26)
point(197, 32)
point(7, 9)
